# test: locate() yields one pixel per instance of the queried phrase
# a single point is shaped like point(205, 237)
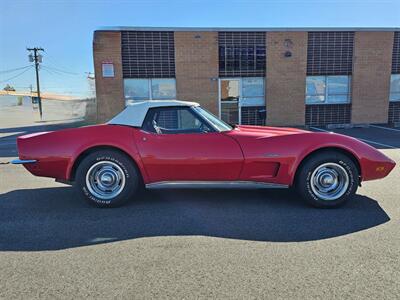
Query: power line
point(51, 72)
point(65, 89)
point(16, 69)
point(54, 63)
point(8, 79)
point(59, 70)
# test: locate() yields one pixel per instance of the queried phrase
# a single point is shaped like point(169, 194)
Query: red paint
point(264, 154)
point(198, 156)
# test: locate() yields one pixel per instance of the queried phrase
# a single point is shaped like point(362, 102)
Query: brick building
point(254, 75)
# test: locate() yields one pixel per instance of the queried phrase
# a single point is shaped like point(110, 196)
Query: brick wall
point(286, 78)
point(109, 90)
point(196, 64)
point(371, 77)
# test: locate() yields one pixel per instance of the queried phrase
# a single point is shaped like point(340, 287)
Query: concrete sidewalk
point(17, 120)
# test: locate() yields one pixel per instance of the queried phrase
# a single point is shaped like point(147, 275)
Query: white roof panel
point(134, 113)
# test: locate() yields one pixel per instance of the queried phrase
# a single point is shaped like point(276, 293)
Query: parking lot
point(379, 136)
point(198, 244)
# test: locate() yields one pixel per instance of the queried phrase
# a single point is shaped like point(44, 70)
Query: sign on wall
point(107, 69)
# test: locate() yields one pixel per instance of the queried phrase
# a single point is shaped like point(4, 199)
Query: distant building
point(297, 76)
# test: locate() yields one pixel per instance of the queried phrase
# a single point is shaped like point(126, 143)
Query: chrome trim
point(329, 181)
point(271, 155)
point(199, 115)
point(214, 185)
point(105, 180)
point(23, 161)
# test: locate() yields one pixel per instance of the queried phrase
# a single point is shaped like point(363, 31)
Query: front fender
point(373, 163)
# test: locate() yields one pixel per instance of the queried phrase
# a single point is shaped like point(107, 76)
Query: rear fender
point(79, 156)
point(123, 140)
point(57, 152)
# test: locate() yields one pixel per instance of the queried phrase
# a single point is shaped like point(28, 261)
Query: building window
point(253, 91)
point(149, 89)
point(148, 54)
point(327, 89)
point(396, 53)
point(330, 53)
point(395, 87)
point(241, 54)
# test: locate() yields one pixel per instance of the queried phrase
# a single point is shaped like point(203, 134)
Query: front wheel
point(327, 179)
point(107, 178)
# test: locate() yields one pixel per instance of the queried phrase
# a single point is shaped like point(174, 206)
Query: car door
point(175, 144)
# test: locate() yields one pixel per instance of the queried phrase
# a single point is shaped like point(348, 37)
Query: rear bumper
point(23, 161)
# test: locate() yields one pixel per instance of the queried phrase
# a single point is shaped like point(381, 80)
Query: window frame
point(241, 90)
point(242, 54)
point(326, 93)
point(149, 88)
point(152, 111)
point(393, 92)
point(241, 99)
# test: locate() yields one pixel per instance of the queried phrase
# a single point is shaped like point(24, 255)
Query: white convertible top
point(134, 113)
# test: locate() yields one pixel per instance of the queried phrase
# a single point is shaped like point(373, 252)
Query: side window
point(174, 120)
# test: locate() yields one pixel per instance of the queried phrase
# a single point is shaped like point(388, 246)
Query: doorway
point(242, 100)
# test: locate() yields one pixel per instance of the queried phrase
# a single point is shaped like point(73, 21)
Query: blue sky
point(65, 27)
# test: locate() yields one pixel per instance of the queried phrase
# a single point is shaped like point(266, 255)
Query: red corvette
point(176, 143)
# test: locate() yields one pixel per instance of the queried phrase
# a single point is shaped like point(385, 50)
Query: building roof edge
point(145, 28)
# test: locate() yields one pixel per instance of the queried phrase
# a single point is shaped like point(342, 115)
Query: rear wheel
point(107, 178)
point(327, 179)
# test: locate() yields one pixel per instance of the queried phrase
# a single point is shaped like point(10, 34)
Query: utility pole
point(37, 58)
point(91, 83)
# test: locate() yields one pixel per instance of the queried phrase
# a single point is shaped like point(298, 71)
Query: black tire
point(119, 165)
point(308, 188)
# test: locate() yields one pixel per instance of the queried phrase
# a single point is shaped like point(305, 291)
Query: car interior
point(174, 120)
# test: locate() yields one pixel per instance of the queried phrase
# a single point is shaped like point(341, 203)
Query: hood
point(265, 131)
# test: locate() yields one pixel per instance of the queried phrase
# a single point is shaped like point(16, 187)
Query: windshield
point(219, 124)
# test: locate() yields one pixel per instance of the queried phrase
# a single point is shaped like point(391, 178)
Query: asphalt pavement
point(220, 244)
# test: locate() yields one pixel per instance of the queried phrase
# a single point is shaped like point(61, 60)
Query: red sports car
point(176, 144)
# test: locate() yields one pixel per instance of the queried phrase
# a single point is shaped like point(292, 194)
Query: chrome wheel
point(105, 180)
point(329, 181)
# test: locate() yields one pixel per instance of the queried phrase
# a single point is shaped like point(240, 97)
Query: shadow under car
point(55, 218)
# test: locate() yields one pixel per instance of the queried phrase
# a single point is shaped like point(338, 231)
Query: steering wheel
point(204, 128)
